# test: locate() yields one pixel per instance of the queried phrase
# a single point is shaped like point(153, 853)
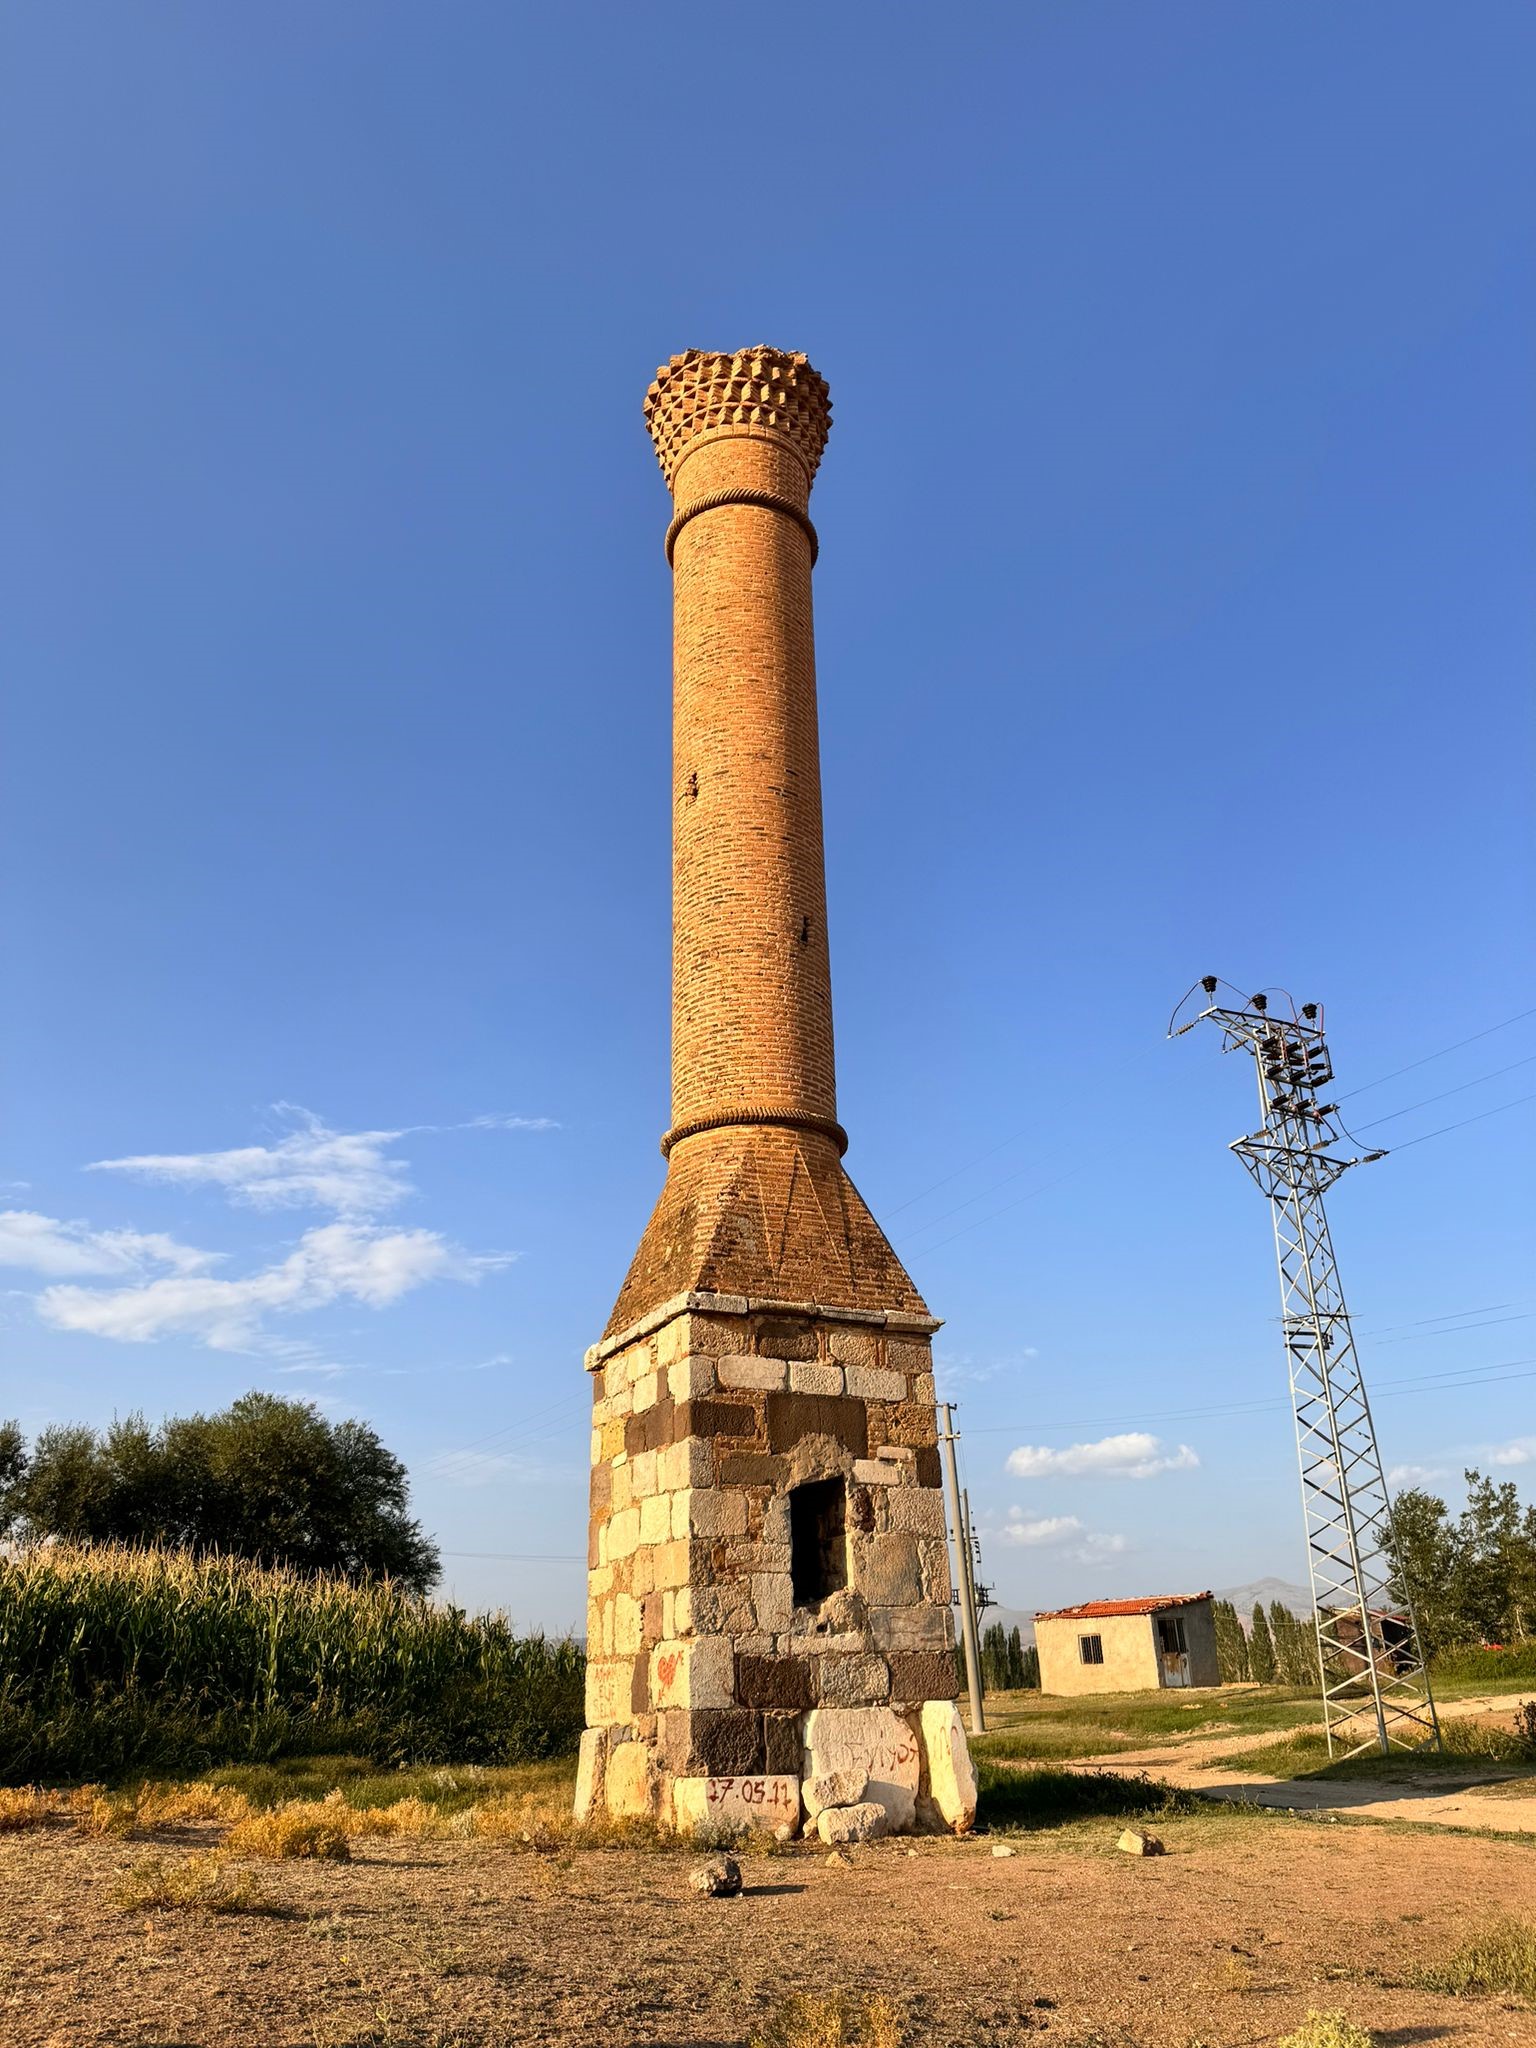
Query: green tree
point(1231, 1643)
point(1261, 1648)
point(1031, 1678)
point(266, 1478)
point(1015, 1660)
point(1295, 1646)
point(1422, 1545)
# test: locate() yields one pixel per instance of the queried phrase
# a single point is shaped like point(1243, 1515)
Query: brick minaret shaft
point(756, 1202)
point(751, 980)
point(769, 1633)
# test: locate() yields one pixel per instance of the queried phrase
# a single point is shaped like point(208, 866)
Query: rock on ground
point(861, 1823)
point(718, 1879)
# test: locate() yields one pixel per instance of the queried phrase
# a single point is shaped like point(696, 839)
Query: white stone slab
point(874, 1740)
point(761, 1802)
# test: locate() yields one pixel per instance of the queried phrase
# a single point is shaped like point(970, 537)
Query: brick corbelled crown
point(767, 389)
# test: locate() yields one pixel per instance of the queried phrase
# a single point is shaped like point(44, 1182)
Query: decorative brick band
point(789, 1119)
point(769, 500)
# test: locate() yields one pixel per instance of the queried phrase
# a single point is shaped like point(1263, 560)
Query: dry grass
point(834, 2019)
point(313, 1829)
point(1328, 2030)
point(25, 1807)
point(202, 1881)
point(1501, 1958)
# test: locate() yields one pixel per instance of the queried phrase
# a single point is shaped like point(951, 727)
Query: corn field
point(113, 1659)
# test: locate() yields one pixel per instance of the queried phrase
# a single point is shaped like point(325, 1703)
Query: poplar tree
point(1261, 1648)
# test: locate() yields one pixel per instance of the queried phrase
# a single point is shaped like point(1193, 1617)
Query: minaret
point(769, 1618)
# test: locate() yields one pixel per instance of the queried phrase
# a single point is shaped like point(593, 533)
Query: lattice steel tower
point(1376, 1692)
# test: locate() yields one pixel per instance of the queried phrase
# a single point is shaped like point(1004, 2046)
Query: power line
point(1440, 1055)
point(1490, 1375)
point(1497, 1110)
point(1446, 1092)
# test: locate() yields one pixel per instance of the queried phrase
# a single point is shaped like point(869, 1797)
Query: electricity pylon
point(1372, 1667)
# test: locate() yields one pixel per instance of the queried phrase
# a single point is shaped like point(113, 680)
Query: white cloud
point(336, 1262)
point(60, 1251)
point(1048, 1529)
point(311, 1167)
point(1521, 1450)
point(1063, 1533)
point(1134, 1455)
point(498, 1120)
point(1414, 1475)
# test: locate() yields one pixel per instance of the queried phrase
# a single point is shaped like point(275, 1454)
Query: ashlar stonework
point(769, 1601)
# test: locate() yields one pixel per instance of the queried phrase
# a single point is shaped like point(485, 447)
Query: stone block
point(815, 1378)
point(645, 1392)
point(852, 1347)
point(623, 1533)
point(908, 1355)
point(751, 1468)
point(773, 1600)
point(933, 1560)
point(698, 1672)
point(841, 1826)
point(786, 1338)
point(671, 1563)
point(591, 1774)
point(761, 1374)
point(794, 1417)
point(656, 1519)
point(690, 1377)
point(773, 1682)
point(713, 1512)
point(919, 1510)
point(716, 1418)
point(757, 1801)
point(918, 1675)
point(949, 1778)
point(871, 1383)
point(872, 1739)
point(642, 1475)
point(723, 1742)
point(608, 1692)
point(688, 1463)
point(877, 1472)
point(781, 1744)
point(626, 1613)
point(621, 1480)
point(862, 1680)
point(886, 1571)
point(833, 1788)
point(923, 1627)
point(631, 1784)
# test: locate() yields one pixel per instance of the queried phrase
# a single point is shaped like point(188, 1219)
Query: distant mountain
point(1286, 1591)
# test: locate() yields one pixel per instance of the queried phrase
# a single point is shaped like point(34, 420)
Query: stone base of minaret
point(770, 1635)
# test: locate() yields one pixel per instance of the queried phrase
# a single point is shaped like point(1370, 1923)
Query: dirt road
point(1473, 1799)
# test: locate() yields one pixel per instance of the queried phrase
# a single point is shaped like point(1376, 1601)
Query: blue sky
point(1174, 614)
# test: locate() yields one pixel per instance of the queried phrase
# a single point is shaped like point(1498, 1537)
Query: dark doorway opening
point(818, 1541)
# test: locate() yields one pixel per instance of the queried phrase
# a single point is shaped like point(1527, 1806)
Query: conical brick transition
point(769, 1623)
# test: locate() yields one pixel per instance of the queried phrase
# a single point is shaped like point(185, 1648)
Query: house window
point(1170, 1633)
point(818, 1543)
point(1091, 1649)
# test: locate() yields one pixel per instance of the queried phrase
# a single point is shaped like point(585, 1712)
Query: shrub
point(117, 1659)
point(202, 1880)
point(1500, 1958)
point(26, 1807)
point(832, 2019)
point(313, 1829)
point(1328, 2030)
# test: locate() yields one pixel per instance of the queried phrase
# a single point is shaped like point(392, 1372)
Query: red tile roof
point(1102, 1610)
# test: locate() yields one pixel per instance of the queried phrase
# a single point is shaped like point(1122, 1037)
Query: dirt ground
point(1245, 1924)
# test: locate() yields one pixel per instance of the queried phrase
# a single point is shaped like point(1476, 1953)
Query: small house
point(1128, 1645)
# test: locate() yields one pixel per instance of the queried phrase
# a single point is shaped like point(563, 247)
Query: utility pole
point(966, 1582)
point(1346, 1509)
